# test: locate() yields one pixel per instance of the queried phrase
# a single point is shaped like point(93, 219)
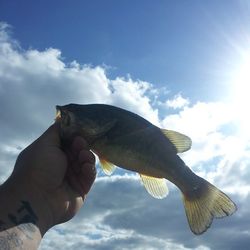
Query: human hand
point(54, 181)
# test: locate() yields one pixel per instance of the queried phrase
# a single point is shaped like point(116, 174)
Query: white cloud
point(203, 123)
point(177, 102)
point(200, 119)
point(32, 82)
point(219, 156)
point(132, 95)
point(119, 214)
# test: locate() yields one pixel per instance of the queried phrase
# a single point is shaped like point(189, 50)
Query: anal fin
point(157, 187)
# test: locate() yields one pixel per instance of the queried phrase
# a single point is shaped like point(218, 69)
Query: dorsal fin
point(181, 142)
point(157, 187)
point(107, 167)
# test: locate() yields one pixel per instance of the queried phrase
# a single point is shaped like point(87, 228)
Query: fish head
point(83, 120)
point(67, 121)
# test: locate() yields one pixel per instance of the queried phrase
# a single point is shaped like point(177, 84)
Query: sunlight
point(240, 94)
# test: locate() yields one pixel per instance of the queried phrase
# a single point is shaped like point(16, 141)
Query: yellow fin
point(204, 203)
point(107, 167)
point(181, 142)
point(156, 187)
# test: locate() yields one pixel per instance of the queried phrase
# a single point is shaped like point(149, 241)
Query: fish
point(124, 139)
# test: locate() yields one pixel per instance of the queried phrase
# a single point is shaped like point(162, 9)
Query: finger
point(81, 177)
point(83, 180)
point(87, 176)
point(86, 156)
point(78, 144)
point(76, 167)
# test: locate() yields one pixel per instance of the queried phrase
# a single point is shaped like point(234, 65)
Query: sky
point(183, 65)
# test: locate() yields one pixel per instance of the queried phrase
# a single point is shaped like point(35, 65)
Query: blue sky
point(185, 44)
point(183, 65)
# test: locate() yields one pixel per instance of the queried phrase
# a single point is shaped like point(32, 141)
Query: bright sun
point(240, 94)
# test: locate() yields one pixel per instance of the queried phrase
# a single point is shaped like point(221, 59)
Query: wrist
point(25, 201)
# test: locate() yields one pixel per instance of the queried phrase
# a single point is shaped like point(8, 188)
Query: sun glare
point(240, 94)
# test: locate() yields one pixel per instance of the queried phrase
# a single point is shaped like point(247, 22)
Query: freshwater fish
point(125, 139)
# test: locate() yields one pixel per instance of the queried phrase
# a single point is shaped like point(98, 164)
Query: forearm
point(19, 222)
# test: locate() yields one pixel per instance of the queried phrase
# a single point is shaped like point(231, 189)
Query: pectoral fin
point(97, 131)
point(107, 167)
point(181, 142)
point(156, 187)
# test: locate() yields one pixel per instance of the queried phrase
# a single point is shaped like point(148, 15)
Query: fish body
point(125, 139)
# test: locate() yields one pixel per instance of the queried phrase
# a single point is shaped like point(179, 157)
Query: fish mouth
point(58, 113)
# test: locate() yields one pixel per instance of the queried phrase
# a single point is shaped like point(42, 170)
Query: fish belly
point(141, 159)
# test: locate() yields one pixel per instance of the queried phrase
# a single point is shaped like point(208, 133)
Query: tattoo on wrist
point(26, 213)
point(25, 221)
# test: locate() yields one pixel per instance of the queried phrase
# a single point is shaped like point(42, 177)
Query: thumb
point(51, 137)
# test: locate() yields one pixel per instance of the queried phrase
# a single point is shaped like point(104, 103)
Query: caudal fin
point(204, 203)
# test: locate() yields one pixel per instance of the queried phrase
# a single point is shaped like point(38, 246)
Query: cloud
point(119, 213)
point(177, 102)
point(200, 119)
point(32, 82)
point(123, 224)
point(130, 94)
point(219, 152)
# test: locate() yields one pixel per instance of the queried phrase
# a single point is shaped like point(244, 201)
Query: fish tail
point(205, 202)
